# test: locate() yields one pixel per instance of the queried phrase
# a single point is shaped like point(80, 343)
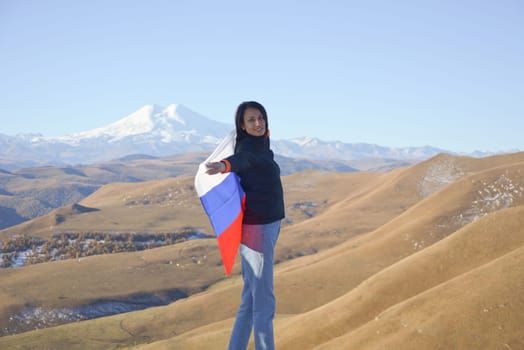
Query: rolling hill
point(28, 193)
point(428, 256)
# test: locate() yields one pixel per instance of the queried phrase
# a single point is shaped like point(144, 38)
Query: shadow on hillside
point(32, 318)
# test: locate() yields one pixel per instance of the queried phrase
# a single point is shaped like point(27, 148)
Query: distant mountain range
point(159, 131)
point(151, 130)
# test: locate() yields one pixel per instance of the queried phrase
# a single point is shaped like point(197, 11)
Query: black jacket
point(259, 174)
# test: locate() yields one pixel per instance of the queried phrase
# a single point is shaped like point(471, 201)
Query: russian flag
point(223, 200)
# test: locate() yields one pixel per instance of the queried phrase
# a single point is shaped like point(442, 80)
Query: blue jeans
point(257, 308)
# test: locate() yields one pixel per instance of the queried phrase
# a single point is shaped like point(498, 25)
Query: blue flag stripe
point(223, 203)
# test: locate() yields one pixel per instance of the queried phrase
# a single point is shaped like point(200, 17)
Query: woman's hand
point(215, 168)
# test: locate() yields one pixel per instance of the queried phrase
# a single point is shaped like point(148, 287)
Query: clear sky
point(445, 73)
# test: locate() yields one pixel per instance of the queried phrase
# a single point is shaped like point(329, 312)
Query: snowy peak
point(152, 121)
point(152, 129)
point(139, 122)
point(306, 141)
point(171, 113)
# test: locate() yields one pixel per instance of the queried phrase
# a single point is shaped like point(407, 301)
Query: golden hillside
point(154, 207)
point(424, 257)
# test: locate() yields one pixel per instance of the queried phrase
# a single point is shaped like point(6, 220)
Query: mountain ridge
point(161, 131)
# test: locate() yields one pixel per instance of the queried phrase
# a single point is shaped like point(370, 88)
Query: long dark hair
point(239, 118)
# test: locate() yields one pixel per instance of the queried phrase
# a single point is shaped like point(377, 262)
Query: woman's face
point(254, 123)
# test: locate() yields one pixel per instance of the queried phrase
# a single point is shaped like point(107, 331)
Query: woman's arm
point(237, 163)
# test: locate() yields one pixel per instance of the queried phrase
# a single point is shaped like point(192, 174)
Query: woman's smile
point(254, 123)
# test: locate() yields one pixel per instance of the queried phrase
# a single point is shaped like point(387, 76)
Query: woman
point(259, 174)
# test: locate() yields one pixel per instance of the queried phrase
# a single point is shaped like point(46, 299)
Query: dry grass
point(154, 206)
point(424, 257)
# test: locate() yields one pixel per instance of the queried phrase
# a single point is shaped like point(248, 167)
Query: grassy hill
point(154, 207)
point(423, 257)
point(28, 193)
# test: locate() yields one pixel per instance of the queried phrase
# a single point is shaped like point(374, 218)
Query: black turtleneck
point(259, 174)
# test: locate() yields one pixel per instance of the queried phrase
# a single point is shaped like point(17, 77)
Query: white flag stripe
point(205, 182)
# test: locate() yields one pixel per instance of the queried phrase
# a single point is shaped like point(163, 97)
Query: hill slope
point(399, 258)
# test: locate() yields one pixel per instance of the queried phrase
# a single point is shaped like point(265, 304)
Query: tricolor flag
point(223, 200)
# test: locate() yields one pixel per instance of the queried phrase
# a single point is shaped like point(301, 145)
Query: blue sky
point(396, 73)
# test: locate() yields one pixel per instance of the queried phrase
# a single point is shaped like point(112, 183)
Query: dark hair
point(239, 117)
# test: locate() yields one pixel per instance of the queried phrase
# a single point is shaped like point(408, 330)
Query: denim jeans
point(257, 307)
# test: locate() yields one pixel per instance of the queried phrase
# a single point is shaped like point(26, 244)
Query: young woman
point(259, 174)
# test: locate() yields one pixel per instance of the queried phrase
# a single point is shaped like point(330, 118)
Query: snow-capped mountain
point(311, 147)
point(152, 130)
point(157, 131)
point(155, 124)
